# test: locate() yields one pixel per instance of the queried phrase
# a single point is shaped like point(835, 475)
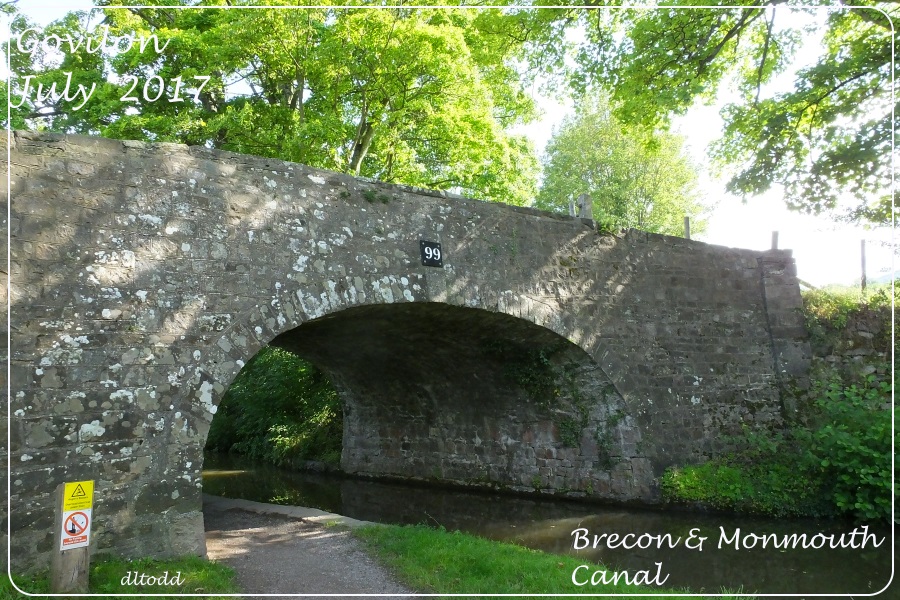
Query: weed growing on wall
point(604, 437)
point(837, 463)
point(372, 196)
point(550, 386)
point(532, 370)
point(279, 409)
point(828, 312)
point(833, 305)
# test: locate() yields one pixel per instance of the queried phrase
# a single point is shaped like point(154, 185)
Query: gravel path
point(277, 554)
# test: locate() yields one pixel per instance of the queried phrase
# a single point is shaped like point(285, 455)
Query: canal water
point(548, 524)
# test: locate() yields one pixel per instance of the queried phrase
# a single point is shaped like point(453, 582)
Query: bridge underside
point(460, 395)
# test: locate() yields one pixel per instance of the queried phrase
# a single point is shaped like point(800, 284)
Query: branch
point(747, 17)
point(870, 15)
point(53, 113)
point(814, 105)
point(762, 61)
point(443, 182)
point(143, 14)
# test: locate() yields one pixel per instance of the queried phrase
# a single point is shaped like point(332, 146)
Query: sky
point(825, 252)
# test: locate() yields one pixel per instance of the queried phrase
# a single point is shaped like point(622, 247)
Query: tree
point(635, 179)
point(406, 95)
point(829, 137)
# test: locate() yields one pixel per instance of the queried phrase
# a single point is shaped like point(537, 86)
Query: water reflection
point(547, 525)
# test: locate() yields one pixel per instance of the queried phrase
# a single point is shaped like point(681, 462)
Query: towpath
point(289, 550)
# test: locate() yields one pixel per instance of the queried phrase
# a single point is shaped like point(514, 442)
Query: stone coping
point(313, 515)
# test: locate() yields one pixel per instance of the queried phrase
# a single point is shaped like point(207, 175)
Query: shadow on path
point(277, 554)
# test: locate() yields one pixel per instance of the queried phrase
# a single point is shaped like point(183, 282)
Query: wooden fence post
point(585, 207)
point(862, 254)
point(69, 568)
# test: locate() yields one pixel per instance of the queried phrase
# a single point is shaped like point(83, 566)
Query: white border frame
point(464, 7)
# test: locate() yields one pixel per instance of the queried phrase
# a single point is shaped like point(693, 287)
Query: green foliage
point(828, 311)
point(529, 368)
point(636, 179)
point(834, 304)
point(830, 307)
point(570, 431)
point(279, 409)
point(438, 561)
point(371, 196)
point(841, 465)
point(199, 576)
point(839, 462)
point(852, 447)
point(535, 373)
point(829, 135)
point(604, 438)
point(421, 96)
point(773, 488)
point(551, 386)
point(824, 135)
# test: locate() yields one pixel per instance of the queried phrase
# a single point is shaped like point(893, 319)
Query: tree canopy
point(417, 96)
point(635, 179)
point(427, 96)
point(826, 138)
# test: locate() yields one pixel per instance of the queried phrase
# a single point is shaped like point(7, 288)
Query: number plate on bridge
point(431, 254)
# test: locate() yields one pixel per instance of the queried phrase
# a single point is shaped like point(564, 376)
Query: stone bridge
point(541, 355)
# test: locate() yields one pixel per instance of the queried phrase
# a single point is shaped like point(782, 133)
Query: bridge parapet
point(144, 276)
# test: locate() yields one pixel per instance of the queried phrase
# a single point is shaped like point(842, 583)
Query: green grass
point(436, 561)
point(833, 303)
point(773, 489)
point(827, 312)
point(199, 576)
point(426, 560)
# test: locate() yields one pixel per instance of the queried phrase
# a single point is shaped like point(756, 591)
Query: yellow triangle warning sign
point(78, 495)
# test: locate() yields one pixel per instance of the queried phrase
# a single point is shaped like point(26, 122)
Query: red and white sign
point(76, 529)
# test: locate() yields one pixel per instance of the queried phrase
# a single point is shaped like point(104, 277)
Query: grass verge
point(437, 561)
point(197, 576)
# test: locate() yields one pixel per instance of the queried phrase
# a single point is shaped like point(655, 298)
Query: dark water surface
point(548, 524)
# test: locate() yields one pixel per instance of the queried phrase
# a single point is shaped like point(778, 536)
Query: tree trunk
point(361, 146)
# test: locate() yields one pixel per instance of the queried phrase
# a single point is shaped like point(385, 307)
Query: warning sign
point(76, 529)
point(78, 495)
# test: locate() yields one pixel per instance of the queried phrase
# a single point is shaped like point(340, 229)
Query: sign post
point(71, 559)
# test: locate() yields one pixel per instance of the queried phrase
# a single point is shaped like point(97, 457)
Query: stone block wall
point(460, 395)
point(144, 276)
point(859, 349)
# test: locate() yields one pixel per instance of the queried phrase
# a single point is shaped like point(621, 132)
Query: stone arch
point(291, 305)
point(414, 374)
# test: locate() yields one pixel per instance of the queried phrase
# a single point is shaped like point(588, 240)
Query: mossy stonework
point(144, 276)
